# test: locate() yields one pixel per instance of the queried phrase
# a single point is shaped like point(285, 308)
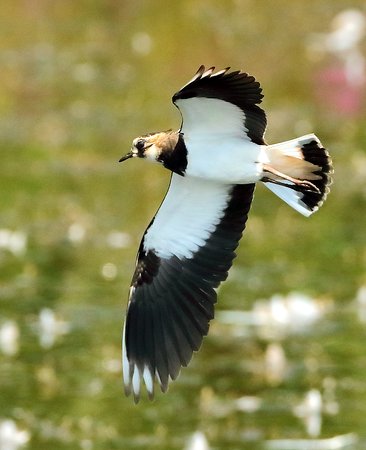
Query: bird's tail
point(298, 171)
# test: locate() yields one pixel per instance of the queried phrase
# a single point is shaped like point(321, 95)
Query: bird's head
point(149, 146)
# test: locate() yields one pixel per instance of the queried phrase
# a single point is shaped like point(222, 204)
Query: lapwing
point(215, 159)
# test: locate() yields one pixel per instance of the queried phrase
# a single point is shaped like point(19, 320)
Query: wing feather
point(236, 88)
point(173, 294)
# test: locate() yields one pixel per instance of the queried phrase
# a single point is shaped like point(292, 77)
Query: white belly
point(232, 161)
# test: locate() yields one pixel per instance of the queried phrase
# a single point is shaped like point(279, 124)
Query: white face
point(152, 152)
point(144, 148)
point(138, 146)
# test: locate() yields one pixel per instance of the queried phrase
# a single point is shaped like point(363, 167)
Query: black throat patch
point(175, 159)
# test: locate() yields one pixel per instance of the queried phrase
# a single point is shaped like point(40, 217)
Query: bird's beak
point(128, 156)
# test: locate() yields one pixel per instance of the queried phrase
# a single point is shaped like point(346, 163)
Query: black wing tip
point(127, 390)
point(160, 338)
point(236, 79)
point(210, 71)
point(202, 72)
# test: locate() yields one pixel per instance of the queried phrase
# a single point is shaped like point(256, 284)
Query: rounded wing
point(224, 102)
point(185, 254)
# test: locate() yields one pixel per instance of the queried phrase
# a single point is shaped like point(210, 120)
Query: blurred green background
point(78, 81)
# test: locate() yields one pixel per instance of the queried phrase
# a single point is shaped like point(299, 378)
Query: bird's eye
point(140, 144)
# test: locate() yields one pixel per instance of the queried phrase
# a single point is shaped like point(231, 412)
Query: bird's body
point(216, 157)
point(248, 157)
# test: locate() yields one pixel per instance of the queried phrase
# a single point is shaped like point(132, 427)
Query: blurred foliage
point(78, 81)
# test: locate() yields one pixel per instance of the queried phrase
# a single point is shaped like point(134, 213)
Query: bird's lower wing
point(184, 255)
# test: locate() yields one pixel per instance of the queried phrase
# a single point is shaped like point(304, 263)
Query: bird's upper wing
point(222, 102)
point(184, 255)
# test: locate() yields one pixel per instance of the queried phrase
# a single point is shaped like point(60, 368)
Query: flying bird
point(215, 158)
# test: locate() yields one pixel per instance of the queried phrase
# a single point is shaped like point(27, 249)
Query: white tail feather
point(291, 197)
point(291, 147)
point(304, 166)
